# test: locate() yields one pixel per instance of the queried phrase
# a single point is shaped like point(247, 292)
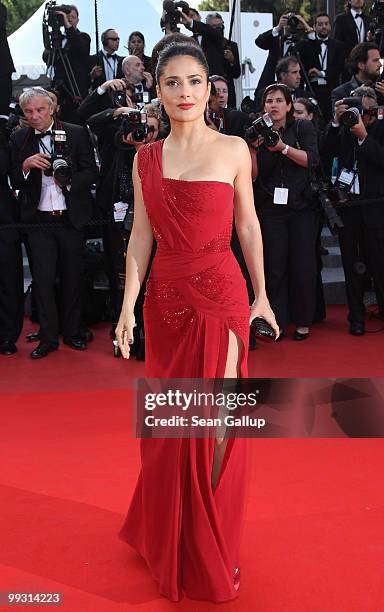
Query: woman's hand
point(124, 332)
point(261, 308)
point(277, 148)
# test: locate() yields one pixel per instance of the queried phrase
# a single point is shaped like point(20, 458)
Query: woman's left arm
point(308, 155)
point(249, 233)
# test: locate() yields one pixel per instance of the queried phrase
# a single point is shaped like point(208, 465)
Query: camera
point(263, 126)
point(135, 123)
point(350, 117)
point(292, 20)
point(60, 162)
point(52, 22)
point(172, 14)
point(248, 105)
point(327, 197)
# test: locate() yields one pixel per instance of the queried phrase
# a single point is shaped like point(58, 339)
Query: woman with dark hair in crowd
point(303, 108)
point(288, 216)
point(136, 46)
point(186, 513)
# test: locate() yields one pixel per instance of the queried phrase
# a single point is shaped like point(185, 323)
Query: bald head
point(133, 69)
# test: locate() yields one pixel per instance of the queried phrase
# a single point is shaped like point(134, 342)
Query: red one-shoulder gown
point(187, 533)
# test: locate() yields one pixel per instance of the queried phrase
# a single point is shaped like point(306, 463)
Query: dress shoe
point(42, 350)
point(357, 329)
point(298, 335)
point(33, 337)
point(78, 344)
point(8, 348)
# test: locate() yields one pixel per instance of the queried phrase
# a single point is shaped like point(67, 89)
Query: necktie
point(358, 16)
point(43, 134)
point(111, 56)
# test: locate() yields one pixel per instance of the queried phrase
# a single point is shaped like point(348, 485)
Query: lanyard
point(359, 30)
point(45, 149)
point(323, 58)
point(112, 67)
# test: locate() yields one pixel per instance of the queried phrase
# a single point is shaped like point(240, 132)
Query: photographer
point(288, 72)
point(278, 42)
point(121, 133)
point(365, 65)
point(360, 152)
point(285, 156)
point(53, 167)
point(222, 55)
point(351, 27)
point(323, 60)
point(71, 47)
point(106, 65)
point(225, 120)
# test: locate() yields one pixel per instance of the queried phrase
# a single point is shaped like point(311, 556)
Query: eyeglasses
point(115, 39)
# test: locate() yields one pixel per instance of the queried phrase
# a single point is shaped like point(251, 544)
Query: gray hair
point(364, 92)
point(32, 93)
point(213, 16)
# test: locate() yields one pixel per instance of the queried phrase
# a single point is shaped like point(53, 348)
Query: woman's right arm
point(137, 259)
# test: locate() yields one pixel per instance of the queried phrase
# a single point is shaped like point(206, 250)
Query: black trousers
point(359, 243)
point(11, 287)
point(115, 240)
point(5, 94)
point(57, 252)
point(289, 239)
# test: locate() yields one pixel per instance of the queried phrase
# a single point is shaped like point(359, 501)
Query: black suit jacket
point(6, 62)
point(344, 30)
point(339, 141)
point(97, 59)
point(77, 51)
point(275, 46)
point(213, 44)
point(23, 144)
point(309, 54)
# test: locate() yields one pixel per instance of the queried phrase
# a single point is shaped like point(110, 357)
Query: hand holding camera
point(39, 161)
point(115, 85)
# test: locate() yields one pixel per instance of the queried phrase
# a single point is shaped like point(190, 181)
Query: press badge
point(346, 177)
point(280, 195)
point(119, 211)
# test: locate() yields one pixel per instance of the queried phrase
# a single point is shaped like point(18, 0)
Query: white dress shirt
point(51, 197)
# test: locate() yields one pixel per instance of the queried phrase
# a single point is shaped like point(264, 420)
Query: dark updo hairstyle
point(311, 107)
point(180, 49)
point(287, 95)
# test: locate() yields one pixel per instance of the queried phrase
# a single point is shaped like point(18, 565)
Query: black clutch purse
point(261, 330)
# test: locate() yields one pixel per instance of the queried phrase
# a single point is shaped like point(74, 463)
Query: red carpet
point(314, 531)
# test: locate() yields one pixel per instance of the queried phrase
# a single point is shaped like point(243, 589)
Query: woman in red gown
point(185, 517)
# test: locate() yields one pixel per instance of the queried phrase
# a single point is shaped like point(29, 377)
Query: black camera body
point(52, 24)
point(172, 14)
point(52, 16)
point(293, 21)
point(351, 116)
point(262, 126)
point(328, 197)
point(61, 167)
point(135, 123)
